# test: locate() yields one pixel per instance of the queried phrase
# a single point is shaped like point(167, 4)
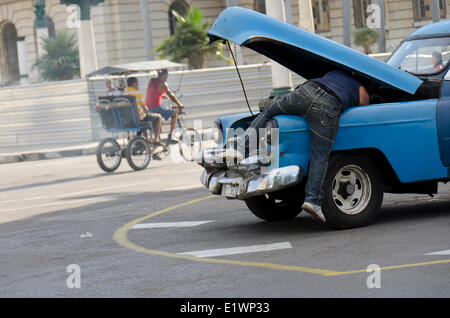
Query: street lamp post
point(41, 25)
point(346, 23)
point(86, 43)
point(381, 27)
point(238, 50)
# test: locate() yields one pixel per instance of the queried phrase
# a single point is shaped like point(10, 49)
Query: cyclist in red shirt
point(155, 91)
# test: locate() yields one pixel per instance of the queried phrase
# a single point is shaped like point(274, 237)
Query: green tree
point(61, 60)
point(190, 41)
point(365, 38)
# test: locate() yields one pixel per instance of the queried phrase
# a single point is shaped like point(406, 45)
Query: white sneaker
point(314, 210)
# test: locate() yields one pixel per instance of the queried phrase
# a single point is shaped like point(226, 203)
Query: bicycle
point(189, 140)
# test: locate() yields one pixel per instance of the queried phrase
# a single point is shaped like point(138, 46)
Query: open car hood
point(305, 53)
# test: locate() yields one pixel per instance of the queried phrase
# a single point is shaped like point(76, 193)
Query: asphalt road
point(123, 232)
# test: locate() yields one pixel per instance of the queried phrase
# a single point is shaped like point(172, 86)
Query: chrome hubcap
point(351, 190)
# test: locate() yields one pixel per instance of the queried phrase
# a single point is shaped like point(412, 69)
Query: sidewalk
point(21, 154)
point(39, 152)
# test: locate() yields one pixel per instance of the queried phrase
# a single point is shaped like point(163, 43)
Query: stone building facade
point(119, 36)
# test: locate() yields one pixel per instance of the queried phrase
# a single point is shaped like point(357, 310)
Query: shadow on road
point(412, 210)
point(67, 180)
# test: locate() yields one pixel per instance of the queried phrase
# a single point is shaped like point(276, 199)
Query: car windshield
point(422, 57)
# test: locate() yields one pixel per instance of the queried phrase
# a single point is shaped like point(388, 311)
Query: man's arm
point(172, 97)
point(364, 98)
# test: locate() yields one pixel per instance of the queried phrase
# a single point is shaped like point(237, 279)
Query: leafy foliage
point(61, 60)
point(190, 41)
point(365, 38)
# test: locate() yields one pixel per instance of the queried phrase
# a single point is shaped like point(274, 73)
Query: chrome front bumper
point(234, 186)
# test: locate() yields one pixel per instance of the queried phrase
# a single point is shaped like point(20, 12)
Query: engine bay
point(380, 94)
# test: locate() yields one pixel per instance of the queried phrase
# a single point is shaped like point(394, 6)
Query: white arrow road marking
point(168, 224)
point(239, 250)
point(446, 252)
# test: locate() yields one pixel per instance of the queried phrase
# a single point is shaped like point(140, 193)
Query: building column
point(86, 41)
point(145, 16)
point(435, 10)
point(306, 19)
point(281, 76)
point(23, 61)
point(88, 54)
point(41, 25)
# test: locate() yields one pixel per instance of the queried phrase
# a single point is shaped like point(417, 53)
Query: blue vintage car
point(398, 144)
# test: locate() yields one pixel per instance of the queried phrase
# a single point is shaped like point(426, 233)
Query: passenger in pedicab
point(110, 88)
point(144, 115)
point(121, 86)
point(117, 90)
point(156, 88)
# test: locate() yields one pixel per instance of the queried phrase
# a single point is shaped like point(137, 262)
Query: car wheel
point(276, 207)
point(353, 191)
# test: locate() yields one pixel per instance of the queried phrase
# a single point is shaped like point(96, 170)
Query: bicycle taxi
point(119, 116)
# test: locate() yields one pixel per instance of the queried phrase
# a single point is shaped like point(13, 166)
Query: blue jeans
point(323, 111)
point(166, 113)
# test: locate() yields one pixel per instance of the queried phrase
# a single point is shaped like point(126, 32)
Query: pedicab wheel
point(353, 191)
point(190, 143)
point(109, 155)
point(138, 153)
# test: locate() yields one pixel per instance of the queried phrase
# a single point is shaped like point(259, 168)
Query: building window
point(51, 28)
point(360, 12)
point(321, 15)
point(180, 7)
point(8, 54)
point(260, 6)
point(422, 9)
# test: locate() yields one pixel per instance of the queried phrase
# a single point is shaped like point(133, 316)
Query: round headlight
point(217, 132)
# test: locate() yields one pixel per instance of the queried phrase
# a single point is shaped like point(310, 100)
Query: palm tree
point(365, 38)
point(61, 60)
point(190, 41)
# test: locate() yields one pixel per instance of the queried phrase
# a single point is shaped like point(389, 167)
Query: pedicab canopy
point(136, 67)
point(305, 53)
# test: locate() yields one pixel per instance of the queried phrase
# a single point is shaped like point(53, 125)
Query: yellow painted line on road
point(120, 236)
point(391, 267)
